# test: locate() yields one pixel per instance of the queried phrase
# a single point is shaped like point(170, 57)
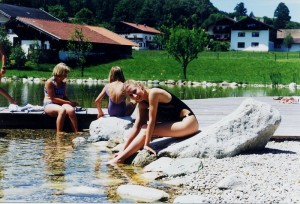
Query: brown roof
point(143, 28)
point(295, 33)
point(112, 35)
point(64, 31)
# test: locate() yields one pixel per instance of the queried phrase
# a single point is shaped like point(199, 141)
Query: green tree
point(84, 16)
point(240, 10)
point(6, 44)
point(292, 25)
point(17, 57)
point(288, 41)
point(185, 44)
point(79, 47)
point(282, 16)
point(59, 12)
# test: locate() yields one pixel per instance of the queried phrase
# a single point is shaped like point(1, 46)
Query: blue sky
point(260, 8)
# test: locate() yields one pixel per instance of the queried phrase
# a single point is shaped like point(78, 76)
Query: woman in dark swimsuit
point(160, 113)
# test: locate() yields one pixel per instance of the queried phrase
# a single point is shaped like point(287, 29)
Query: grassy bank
point(242, 67)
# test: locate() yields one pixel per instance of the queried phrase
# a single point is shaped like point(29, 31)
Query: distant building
point(28, 26)
point(142, 35)
point(250, 34)
point(221, 29)
point(282, 33)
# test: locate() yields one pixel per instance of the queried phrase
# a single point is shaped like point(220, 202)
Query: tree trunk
point(184, 71)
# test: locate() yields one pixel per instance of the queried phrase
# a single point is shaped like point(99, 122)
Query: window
point(254, 44)
point(255, 34)
point(241, 45)
point(241, 34)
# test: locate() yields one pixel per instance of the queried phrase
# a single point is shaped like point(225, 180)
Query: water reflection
point(85, 94)
point(38, 166)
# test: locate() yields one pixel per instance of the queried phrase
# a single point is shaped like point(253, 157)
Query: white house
point(250, 34)
point(140, 34)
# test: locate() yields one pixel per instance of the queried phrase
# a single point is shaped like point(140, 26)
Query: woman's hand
point(74, 104)
point(149, 149)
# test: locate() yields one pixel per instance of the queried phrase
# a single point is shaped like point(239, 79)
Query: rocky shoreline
point(271, 175)
point(150, 83)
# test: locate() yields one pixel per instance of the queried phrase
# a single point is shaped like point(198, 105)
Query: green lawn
point(243, 67)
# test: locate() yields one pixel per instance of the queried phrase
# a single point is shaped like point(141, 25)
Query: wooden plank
point(210, 111)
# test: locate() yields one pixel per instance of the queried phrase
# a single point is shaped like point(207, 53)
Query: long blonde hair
point(116, 74)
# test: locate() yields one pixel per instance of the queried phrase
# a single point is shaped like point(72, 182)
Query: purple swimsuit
point(116, 109)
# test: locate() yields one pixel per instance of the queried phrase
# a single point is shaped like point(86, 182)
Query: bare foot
point(61, 133)
point(115, 161)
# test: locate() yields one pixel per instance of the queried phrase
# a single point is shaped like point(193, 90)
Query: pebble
point(269, 176)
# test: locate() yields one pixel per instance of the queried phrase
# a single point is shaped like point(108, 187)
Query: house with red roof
point(53, 35)
point(140, 34)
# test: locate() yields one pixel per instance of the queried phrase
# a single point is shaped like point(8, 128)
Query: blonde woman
point(160, 113)
point(117, 105)
point(56, 102)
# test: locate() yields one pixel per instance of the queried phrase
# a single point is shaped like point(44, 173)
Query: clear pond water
point(38, 166)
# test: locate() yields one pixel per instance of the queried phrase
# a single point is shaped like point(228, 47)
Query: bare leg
point(186, 127)
point(58, 111)
point(7, 96)
point(72, 115)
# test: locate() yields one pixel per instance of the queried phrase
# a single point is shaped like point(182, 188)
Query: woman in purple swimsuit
point(56, 102)
point(160, 113)
point(117, 100)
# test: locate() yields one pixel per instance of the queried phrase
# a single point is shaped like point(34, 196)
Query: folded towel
point(27, 108)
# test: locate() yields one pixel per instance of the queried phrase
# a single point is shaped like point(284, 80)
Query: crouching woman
point(160, 114)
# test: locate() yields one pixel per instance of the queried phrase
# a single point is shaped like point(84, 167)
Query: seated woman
point(117, 105)
point(56, 102)
point(160, 113)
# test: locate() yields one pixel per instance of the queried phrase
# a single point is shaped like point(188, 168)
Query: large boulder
point(110, 128)
point(248, 128)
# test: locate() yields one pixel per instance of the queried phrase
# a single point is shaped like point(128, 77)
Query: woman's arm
point(141, 119)
point(98, 102)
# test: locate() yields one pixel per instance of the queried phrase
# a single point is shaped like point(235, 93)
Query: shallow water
point(37, 166)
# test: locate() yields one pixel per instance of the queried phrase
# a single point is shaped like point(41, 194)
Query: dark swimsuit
point(171, 111)
point(116, 109)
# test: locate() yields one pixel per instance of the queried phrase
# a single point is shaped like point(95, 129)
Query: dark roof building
point(10, 12)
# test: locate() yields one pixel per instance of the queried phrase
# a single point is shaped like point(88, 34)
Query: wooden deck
point(208, 111)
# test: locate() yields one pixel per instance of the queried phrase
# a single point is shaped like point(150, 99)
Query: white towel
point(27, 108)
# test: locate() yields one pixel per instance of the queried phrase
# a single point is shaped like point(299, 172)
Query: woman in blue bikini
point(160, 114)
point(117, 105)
point(56, 102)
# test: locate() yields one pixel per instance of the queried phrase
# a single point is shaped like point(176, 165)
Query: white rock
point(249, 127)
point(142, 194)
